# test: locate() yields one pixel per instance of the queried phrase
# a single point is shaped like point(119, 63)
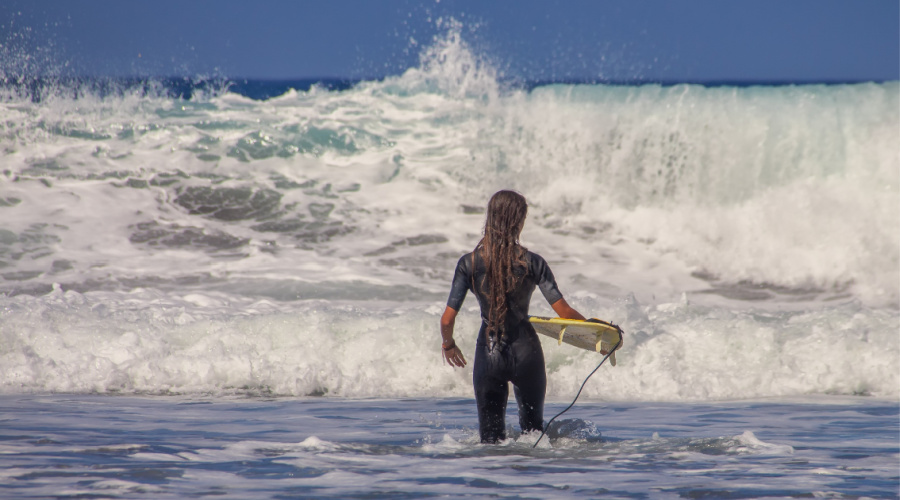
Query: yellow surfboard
point(592, 335)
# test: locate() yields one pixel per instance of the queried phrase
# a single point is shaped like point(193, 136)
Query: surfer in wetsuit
point(503, 274)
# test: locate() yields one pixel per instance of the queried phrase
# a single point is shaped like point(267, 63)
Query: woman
point(503, 274)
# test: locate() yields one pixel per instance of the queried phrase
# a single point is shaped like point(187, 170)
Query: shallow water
point(64, 446)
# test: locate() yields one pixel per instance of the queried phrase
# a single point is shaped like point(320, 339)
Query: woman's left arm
point(564, 310)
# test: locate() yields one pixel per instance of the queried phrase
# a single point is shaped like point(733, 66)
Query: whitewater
point(296, 253)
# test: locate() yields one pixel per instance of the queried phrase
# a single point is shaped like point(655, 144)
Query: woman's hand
point(453, 356)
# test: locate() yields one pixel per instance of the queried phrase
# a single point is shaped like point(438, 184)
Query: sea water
point(77, 446)
point(215, 294)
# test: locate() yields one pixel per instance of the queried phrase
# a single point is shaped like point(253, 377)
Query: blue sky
point(617, 40)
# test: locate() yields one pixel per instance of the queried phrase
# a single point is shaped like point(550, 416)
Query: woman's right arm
point(458, 289)
point(451, 352)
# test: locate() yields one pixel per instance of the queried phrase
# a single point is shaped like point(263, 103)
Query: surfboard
point(592, 335)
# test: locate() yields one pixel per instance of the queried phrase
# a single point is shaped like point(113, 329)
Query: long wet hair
point(501, 252)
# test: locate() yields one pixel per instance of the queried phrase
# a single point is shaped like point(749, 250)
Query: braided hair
point(501, 252)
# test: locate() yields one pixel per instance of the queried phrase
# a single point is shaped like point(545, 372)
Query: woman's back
point(471, 274)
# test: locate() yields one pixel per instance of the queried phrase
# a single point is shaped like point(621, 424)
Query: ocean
point(218, 288)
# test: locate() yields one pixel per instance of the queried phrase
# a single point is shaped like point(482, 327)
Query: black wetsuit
point(520, 360)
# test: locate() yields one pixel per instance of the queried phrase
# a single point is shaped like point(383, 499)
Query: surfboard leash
point(547, 427)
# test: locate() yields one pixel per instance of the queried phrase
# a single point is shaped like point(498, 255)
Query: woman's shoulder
point(465, 262)
point(467, 256)
point(534, 257)
point(536, 263)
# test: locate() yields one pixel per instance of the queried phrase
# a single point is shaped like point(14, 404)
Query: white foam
point(772, 211)
point(108, 343)
point(753, 444)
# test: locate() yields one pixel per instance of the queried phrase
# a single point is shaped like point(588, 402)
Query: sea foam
point(745, 238)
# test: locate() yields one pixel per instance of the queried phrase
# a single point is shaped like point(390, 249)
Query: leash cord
point(547, 427)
